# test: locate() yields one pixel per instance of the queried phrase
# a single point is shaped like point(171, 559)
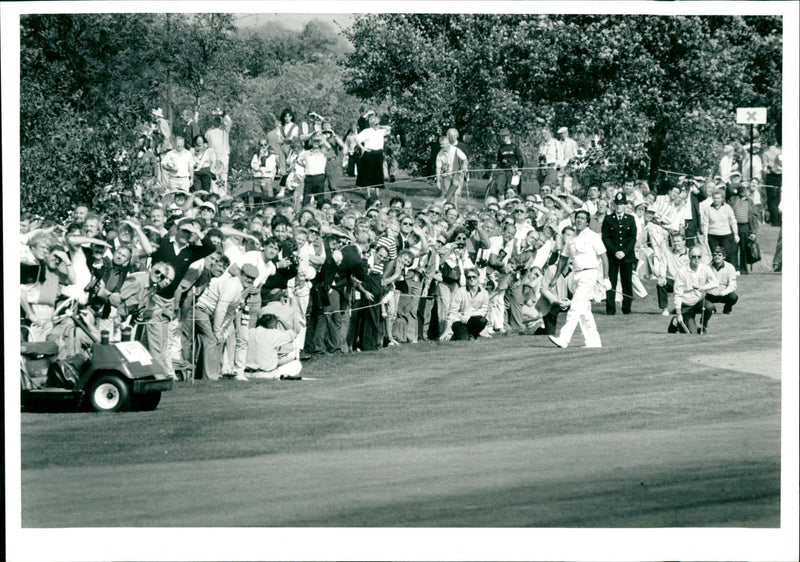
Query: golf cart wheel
point(109, 393)
point(147, 401)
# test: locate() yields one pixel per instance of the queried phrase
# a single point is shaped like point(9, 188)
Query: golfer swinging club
point(584, 251)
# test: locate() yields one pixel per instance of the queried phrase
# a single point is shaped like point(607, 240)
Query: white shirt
point(372, 139)
point(585, 250)
point(182, 161)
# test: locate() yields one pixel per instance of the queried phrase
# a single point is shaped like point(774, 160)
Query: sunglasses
point(695, 257)
point(460, 238)
point(262, 144)
point(160, 274)
point(408, 223)
point(472, 276)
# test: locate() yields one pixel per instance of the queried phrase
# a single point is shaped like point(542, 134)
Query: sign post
point(751, 116)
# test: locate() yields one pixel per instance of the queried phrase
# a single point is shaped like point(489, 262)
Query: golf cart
point(103, 376)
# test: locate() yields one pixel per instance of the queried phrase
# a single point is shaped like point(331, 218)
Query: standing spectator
point(179, 251)
point(569, 148)
point(746, 215)
point(370, 169)
point(756, 172)
point(696, 195)
point(451, 166)
point(179, 165)
point(725, 291)
point(586, 253)
point(218, 138)
point(619, 238)
point(720, 227)
point(352, 150)
point(773, 168)
point(290, 133)
point(265, 166)
point(667, 270)
point(215, 311)
point(164, 130)
point(333, 166)
point(189, 129)
point(551, 153)
point(509, 163)
point(136, 299)
point(314, 161)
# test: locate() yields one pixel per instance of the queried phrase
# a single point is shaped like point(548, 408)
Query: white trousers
point(580, 310)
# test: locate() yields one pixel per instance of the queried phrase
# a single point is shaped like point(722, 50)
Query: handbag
point(753, 252)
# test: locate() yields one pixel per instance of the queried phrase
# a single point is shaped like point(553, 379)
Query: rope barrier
point(407, 180)
point(688, 175)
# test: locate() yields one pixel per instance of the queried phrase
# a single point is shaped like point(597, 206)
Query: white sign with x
point(751, 115)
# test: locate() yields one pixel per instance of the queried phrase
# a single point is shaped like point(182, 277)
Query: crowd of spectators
point(216, 289)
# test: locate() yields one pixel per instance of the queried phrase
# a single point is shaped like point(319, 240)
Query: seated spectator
point(725, 292)
point(466, 317)
point(204, 158)
point(272, 352)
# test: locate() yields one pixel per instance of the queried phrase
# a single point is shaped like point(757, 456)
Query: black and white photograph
point(401, 280)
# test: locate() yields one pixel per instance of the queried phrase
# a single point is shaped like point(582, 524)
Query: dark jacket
point(619, 235)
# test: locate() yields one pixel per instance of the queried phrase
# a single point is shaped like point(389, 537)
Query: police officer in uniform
point(619, 237)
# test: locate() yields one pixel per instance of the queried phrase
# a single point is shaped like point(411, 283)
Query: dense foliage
point(89, 82)
point(660, 91)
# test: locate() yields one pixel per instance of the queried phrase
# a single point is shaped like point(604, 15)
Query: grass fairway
point(652, 430)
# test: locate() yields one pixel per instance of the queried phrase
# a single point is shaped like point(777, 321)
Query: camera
point(471, 224)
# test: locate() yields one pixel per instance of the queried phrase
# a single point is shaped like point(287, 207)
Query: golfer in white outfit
point(586, 251)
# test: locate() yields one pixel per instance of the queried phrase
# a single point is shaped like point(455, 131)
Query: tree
point(661, 91)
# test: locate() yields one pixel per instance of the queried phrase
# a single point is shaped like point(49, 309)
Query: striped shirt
point(390, 243)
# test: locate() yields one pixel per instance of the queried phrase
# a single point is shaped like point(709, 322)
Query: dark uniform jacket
point(619, 235)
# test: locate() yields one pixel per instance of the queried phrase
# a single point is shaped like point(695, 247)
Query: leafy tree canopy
point(660, 91)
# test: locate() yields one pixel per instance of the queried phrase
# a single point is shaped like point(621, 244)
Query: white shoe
point(240, 377)
point(557, 341)
point(593, 346)
point(665, 312)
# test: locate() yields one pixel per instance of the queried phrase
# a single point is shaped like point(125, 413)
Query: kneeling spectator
point(691, 285)
point(466, 318)
point(726, 275)
point(272, 352)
